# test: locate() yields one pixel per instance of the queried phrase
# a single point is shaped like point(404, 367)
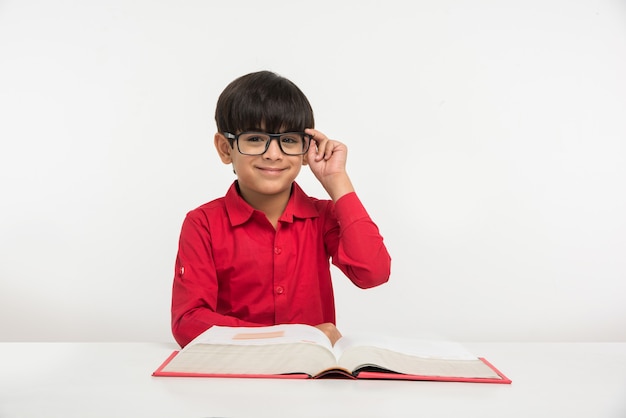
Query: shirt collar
point(299, 206)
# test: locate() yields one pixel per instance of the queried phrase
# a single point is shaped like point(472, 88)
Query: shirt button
point(277, 250)
point(280, 290)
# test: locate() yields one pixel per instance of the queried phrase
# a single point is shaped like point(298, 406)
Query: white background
point(487, 140)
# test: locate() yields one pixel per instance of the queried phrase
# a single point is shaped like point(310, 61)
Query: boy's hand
point(330, 330)
point(327, 159)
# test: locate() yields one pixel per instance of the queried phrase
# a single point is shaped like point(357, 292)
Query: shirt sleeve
point(195, 288)
point(355, 244)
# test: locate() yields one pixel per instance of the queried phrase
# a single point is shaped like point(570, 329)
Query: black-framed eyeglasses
point(257, 143)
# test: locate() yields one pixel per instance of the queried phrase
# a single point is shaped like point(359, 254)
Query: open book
point(303, 351)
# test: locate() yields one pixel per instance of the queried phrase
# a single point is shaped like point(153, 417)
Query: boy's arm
point(352, 238)
point(355, 244)
point(195, 288)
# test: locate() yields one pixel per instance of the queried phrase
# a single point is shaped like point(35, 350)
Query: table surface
point(114, 380)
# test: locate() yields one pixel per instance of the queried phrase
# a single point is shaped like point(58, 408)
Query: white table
point(114, 380)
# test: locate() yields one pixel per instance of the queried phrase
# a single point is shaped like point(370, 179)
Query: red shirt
point(233, 268)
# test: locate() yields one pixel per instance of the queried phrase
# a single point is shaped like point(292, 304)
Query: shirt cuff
point(349, 209)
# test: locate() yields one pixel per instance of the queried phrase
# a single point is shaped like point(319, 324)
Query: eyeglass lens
point(256, 143)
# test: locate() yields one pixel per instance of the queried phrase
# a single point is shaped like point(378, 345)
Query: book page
point(275, 334)
point(267, 350)
point(439, 349)
point(411, 357)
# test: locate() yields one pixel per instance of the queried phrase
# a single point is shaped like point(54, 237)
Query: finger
point(320, 141)
point(317, 135)
point(318, 148)
point(329, 149)
point(324, 149)
point(323, 145)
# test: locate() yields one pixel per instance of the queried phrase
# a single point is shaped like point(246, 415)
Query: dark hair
point(263, 101)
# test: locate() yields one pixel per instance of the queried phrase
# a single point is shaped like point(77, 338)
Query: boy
point(260, 255)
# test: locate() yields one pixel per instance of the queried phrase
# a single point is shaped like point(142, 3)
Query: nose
point(273, 151)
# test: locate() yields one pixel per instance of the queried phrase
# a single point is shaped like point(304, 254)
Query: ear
point(305, 157)
point(223, 148)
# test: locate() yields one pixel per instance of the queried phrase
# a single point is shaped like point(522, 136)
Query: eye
point(255, 138)
point(291, 139)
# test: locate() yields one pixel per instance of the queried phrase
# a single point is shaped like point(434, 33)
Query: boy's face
point(261, 177)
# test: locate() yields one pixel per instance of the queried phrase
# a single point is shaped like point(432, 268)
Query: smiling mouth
point(271, 169)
